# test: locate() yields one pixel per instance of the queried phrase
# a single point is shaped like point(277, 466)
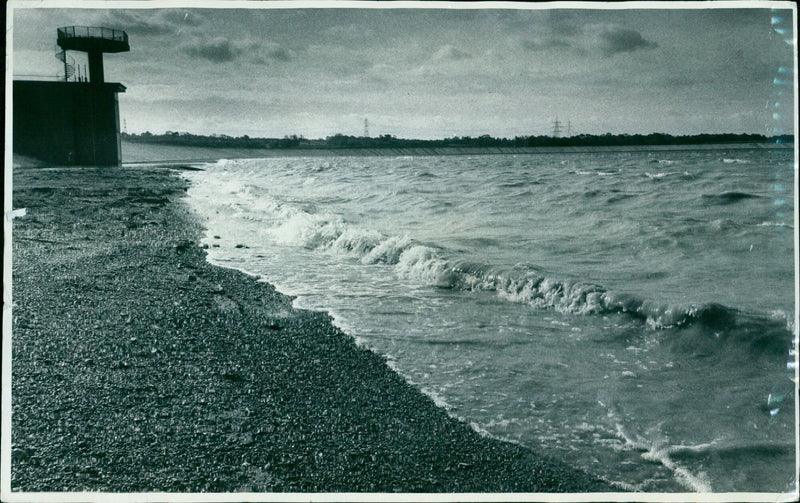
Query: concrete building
point(67, 122)
point(72, 122)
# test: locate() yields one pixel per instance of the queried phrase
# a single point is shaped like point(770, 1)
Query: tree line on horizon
point(340, 141)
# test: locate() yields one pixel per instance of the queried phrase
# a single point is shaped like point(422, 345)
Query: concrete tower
point(94, 41)
point(72, 122)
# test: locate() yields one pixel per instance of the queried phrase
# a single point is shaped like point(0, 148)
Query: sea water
point(630, 313)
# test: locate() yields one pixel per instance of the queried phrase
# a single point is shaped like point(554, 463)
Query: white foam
point(660, 175)
point(696, 482)
point(357, 241)
point(423, 264)
point(388, 251)
point(659, 452)
point(310, 231)
point(501, 422)
point(776, 224)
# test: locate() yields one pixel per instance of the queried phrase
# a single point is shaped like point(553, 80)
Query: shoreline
point(139, 366)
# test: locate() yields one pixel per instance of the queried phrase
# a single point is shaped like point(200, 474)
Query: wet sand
point(138, 366)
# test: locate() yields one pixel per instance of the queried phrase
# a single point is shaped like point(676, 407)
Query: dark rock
point(183, 246)
point(233, 376)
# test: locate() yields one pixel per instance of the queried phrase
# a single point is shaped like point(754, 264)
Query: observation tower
point(94, 41)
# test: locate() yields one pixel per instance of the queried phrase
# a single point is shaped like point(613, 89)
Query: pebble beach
point(137, 366)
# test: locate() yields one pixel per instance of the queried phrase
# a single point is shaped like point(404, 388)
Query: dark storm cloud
point(603, 39)
point(216, 50)
point(612, 39)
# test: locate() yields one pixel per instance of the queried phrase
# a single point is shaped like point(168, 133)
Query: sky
point(432, 72)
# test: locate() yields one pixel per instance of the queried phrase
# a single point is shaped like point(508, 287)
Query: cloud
point(679, 81)
point(279, 54)
point(182, 17)
point(543, 43)
point(349, 32)
point(260, 52)
point(149, 22)
point(603, 39)
point(615, 39)
point(216, 50)
point(450, 53)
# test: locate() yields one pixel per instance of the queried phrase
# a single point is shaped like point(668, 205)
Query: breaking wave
point(428, 264)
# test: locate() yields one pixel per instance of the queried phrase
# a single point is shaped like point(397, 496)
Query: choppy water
point(631, 313)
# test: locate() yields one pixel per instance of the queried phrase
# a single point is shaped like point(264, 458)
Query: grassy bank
point(138, 366)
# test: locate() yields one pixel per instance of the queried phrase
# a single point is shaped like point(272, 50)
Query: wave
point(428, 264)
point(598, 173)
point(518, 185)
point(746, 451)
point(776, 224)
point(425, 174)
point(660, 453)
point(431, 265)
point(620, 197)
point(720, 323)
point(729, 197)
point(660, 175)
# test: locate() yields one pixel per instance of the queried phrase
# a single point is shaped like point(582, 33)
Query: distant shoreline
point(386, 141)
point(143, 153)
